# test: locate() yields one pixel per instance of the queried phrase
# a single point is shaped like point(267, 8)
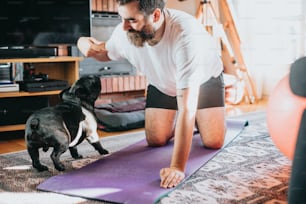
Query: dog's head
point(87, 89)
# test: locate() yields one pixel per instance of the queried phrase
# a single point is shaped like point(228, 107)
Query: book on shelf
point(9, 87)
point(104, 6)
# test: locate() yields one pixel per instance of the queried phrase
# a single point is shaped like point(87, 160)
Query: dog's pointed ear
point(63, 92)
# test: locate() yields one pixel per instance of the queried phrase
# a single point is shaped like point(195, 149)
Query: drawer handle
point(4, 112)
point(104, 68)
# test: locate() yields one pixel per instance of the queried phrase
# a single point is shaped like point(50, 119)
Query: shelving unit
point(62, 68)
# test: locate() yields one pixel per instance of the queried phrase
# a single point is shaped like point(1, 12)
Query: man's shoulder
point(177, 14)
point(182, 23)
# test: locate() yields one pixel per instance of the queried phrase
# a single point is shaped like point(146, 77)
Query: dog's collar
point(87, 106)
point(71, 98)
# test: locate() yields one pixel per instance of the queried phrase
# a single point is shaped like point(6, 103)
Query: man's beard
point(138, 38)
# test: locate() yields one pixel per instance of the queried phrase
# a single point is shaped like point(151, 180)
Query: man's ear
point(157, 15)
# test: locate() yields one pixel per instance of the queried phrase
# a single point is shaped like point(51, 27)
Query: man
point(184, 72)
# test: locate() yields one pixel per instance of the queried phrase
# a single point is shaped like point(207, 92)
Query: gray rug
point(249, 170)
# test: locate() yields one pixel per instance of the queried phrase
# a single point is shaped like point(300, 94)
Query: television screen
point(43, 22)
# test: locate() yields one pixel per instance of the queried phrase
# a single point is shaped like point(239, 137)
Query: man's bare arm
point(90, 47)
point(187, 105)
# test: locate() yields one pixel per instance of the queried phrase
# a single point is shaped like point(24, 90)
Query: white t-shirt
point(186, 56)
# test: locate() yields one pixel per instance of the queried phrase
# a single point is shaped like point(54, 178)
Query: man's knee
point(157, 139)
point(156, 142)
point(212, 126)
point(213, 144)
point(159, 126)
point(214, 139)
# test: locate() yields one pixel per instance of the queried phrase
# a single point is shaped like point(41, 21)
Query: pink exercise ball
point(284, 113)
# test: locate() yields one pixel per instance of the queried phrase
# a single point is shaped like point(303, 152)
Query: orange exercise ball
point(284, 113)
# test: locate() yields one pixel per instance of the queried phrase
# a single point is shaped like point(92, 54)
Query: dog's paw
point(41, 167)
point(74, 153)
point(59, 167)
point(99, 148)
point(103, 151)
point(78, 156)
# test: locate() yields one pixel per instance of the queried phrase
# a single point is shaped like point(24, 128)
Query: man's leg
point(210, 117)
point(212, 126)
point(159, 125)
point(160, 117)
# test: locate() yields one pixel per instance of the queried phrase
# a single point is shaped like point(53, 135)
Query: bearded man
point(184, 73)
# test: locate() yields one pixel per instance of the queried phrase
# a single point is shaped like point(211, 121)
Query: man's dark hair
point(145, 6)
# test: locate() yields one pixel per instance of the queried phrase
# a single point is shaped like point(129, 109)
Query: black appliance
point(43, 85)
point(27, 25)
point(16, 110)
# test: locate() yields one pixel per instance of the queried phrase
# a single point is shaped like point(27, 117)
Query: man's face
point(138, 26)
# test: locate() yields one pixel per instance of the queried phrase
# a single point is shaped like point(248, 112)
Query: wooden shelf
point(43, 59)
point(5, 128)
point(24, 93)
point(61, 68)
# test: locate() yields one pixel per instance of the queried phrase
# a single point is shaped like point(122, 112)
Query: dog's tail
point(34, 124)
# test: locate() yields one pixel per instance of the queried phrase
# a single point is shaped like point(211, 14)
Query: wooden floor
point(14, 141)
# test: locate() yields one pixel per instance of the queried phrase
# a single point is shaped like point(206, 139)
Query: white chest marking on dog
point(89, 126)
point(77, 138)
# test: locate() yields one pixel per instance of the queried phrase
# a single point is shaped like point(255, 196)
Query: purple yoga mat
point(131, 175)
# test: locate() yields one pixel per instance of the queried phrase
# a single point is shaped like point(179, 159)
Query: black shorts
point(211, 94)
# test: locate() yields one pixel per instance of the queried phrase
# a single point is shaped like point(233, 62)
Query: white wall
point(272, 35)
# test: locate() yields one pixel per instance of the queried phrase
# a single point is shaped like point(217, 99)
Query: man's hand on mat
point(170, 177)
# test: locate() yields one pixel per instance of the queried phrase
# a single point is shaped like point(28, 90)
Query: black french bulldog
point(65, 125)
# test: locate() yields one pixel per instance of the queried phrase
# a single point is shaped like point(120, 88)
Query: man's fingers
point(170, 177)
point(173, 180)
